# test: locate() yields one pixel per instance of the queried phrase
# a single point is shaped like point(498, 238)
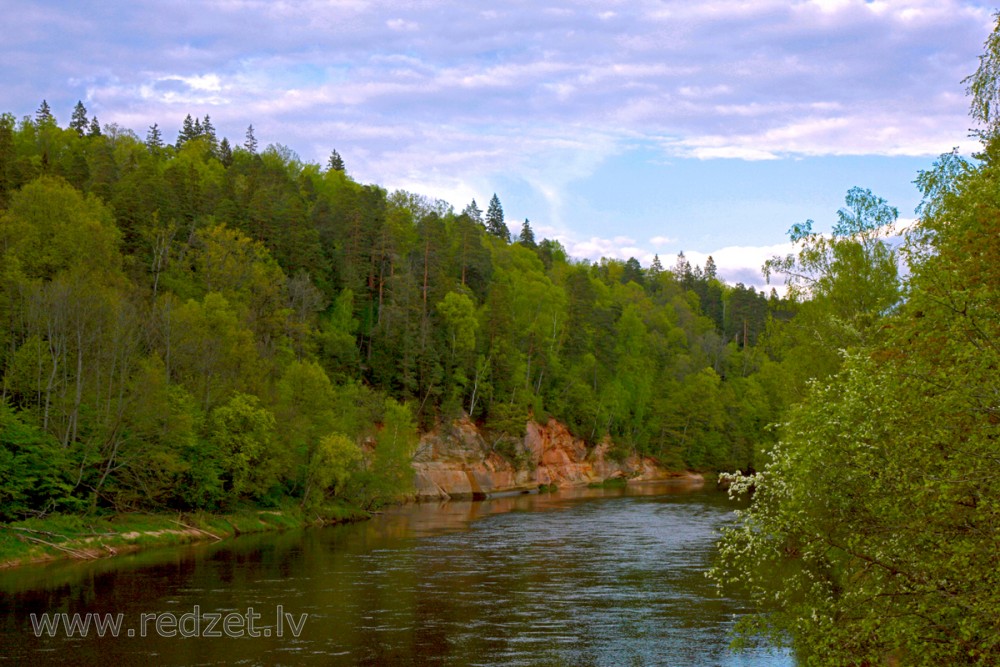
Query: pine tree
point(44, 114)
point(95, 128)
point(474, 212)
point(494, 220)
point(633, 272)
point(527, 237)
point(656, 267)
point(250, 143)
point(79, 120)
point(335, 163)
point(154, 139)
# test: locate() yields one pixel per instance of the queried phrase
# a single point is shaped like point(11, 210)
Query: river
point(587, 577)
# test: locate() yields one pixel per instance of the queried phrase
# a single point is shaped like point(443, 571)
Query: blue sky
point(622, 128)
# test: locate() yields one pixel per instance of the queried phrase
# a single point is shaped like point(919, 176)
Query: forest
point(206, 325)
point(203, 325)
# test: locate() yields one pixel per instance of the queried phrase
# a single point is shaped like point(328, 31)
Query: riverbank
point(453, 462)
point(82, 537)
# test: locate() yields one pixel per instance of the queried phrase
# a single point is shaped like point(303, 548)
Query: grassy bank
point(86, 537)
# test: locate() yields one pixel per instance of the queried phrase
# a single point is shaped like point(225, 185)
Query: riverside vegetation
point(203, 327)
point(880, 501)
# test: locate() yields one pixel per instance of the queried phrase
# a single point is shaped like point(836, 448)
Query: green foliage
point(198, 326)
point(878, 505)
point(851, 276)
point(386, 473)
point(983, 87)
point(332, 464)
point(34, 470)
point(241, 433)
point(459, 315)
point(50, 227)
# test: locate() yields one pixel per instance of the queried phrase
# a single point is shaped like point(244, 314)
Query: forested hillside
point(203, 325)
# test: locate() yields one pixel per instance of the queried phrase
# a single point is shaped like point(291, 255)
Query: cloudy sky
point(622, 128)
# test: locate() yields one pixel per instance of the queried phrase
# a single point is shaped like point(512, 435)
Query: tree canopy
point(878, 505)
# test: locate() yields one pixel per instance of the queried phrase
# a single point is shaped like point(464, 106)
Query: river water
point(591, 577)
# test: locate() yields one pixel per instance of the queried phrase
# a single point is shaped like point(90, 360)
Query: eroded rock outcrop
point(457, 462)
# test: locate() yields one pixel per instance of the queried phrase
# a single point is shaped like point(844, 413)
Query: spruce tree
point(335, 163)
point(494, 220)
point(44, 114)
point(95, 128)
point(187, 132)
point(250, 143)
point(527, 237)
point(225, 153)
point(208, 131)
point(79, 119)
point(154, 138)
point(711, 272)
point(682, 270)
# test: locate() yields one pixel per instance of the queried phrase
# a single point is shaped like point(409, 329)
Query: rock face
point(456, 462)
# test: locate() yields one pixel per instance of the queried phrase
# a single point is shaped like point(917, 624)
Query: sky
point(618, 127)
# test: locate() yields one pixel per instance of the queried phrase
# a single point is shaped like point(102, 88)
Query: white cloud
point(401, 25)
point(734, 263)
point(450, 98)
point(738, 263)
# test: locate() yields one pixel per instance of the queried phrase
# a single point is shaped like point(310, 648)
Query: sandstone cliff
point(457, 462)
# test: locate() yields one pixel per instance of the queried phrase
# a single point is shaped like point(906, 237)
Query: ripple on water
point(560, 581)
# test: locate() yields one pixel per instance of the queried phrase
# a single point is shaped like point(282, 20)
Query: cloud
point(401, 25)
point(735, 264)
point(739, 263)
point(458, 96)
point(720, 78)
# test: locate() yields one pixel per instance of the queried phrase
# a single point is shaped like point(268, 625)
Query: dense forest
point(204, 325)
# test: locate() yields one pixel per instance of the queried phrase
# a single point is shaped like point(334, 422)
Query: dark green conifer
point(79, 120)
point(225, 152)
point(187, 132)
point(44, 115)
point(527, 237)
point(494, 220)
point(335, 163)
point(251, 141)
point(154, 138)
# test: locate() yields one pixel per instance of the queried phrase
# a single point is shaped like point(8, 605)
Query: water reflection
point(592, 577)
